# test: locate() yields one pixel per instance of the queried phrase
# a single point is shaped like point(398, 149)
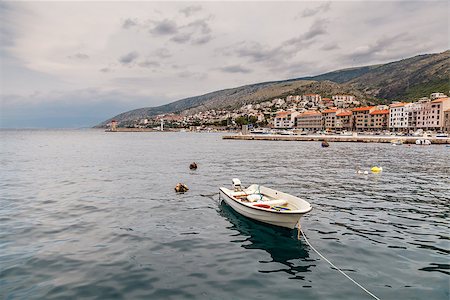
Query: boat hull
point(286, 220)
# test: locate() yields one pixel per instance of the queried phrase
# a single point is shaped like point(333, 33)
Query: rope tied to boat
point(342, 272)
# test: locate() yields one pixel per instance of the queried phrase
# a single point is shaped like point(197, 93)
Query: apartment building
point(344, 120)
point(361, 117)
point(309, 121)
point(329, 118)
point(398, 116)
point(285, 119)
point(379, 119)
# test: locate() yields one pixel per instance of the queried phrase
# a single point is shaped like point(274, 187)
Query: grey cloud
point(163, 53)
point(189, 10)
point(165, 27)
point(202, 40)
point(79, 56)
point(128, 58)
point(329, 47)
point(196, 32)
point(309, 12)
point(200, 25)
point(105, 70)
point(128, 23)
point(192, 75)
point(316, 29)
point(385, 44)
point(256, 52)
point(235, 69)
point(149, 64)
point(182, 38)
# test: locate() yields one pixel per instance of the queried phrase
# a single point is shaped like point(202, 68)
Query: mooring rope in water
point(363, 288)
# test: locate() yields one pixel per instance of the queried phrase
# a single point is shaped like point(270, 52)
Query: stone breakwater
point(335, 138)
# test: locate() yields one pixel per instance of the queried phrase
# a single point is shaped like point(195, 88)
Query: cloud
point(309, 12)
point(329, 46)
point(79, 56)
point(182, 38)
point(235, 69)
point(384, 47)
point(149, 64)
point(128, 58)
point(196, 33)
point(165, 27)
point(189, 10)
point(106, 70)
point(162, 53)
point(192, 75)
point(69, 109)
point(202, 40)
point(253, 50)
point(128, 23)
point(317, 28)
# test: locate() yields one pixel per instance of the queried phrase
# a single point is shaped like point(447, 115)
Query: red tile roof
point(344, 113)
point(400, 104)
point(380, 112)
point(310, 113)
point(282, 114)
point(440, 100)
point(362, 108)
point(332, 110)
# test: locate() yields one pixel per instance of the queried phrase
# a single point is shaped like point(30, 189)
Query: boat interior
point(258, 199)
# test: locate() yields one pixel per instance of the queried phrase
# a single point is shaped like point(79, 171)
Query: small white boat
point(265, 205)
point(397, 142)
point(423, 142)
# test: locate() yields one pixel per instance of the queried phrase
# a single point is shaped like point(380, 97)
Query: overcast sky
point(75, 64)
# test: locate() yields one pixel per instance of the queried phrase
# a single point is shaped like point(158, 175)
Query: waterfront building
point(436, 113)
point(309, 121)
point(329, 118)
point(344, 120)
point(398, 116)
point(361, 117)
point(447, 121)
point(284, 119)
point(379, 119)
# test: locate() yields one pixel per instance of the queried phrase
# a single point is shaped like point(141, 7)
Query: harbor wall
point(335, 138)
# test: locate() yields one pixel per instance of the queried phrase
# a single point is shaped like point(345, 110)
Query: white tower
point(162, 125)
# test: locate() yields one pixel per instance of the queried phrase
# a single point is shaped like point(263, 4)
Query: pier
point(335, 138)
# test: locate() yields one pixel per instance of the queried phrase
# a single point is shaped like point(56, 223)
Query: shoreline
point(335, 138)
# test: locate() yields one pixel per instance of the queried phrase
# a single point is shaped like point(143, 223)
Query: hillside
point(406, 79)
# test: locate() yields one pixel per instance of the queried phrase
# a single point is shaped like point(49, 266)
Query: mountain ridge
point(405, 79)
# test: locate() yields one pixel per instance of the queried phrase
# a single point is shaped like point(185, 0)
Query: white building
point(343, 100)
point(434, 96)
point(312, 98)
point(292, 98)
point(285, 119)
point(398, 116)
point(278, 102)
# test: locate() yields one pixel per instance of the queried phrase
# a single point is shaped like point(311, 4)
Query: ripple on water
point(87, 214)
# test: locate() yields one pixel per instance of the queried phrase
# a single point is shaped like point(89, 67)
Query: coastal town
point(312, 113)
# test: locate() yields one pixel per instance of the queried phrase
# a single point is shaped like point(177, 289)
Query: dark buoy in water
point(325, 144)
point(181, 188)
point(193, 166)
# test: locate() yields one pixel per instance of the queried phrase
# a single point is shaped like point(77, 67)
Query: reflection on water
point(280, 243)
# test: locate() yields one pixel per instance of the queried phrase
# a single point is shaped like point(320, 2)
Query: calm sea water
point(89, 214)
